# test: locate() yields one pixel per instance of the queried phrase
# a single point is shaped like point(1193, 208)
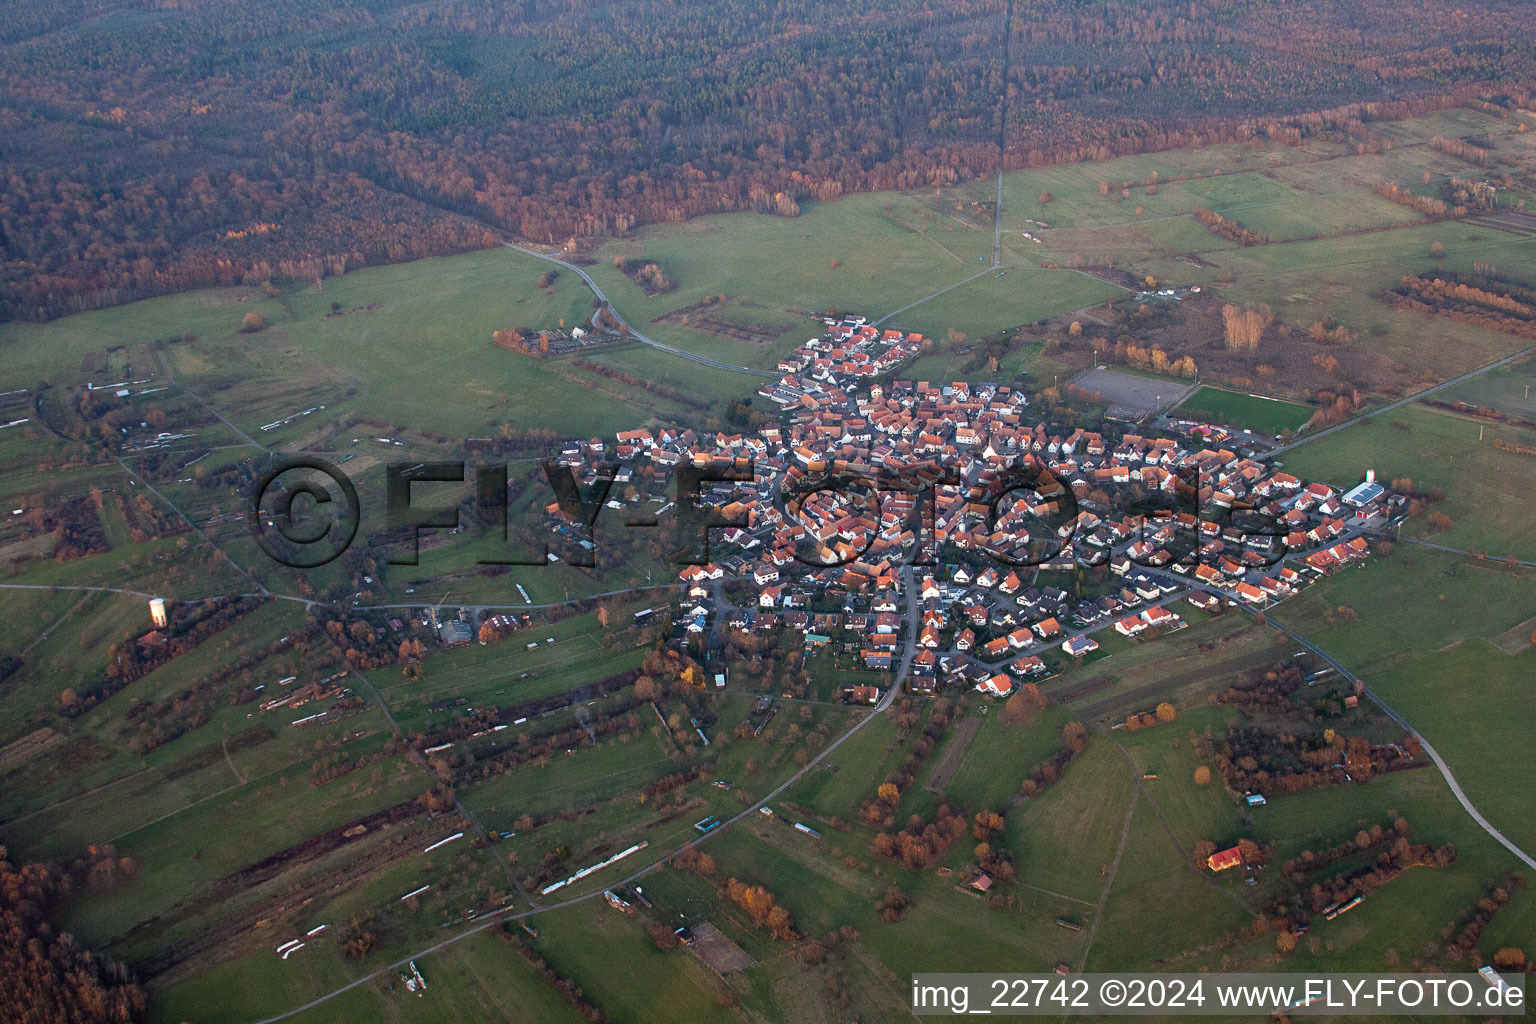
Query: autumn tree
point(988, 824)
point(1202, 775)
point(1242, 327)
point(1022, 707)
point(893, 905)
point(1509, 958)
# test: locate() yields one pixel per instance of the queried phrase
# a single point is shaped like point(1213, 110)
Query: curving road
point(1445, 771)
point(608, 304)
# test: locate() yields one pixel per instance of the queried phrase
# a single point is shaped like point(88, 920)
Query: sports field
point(1131, 395)
point(1251, 412)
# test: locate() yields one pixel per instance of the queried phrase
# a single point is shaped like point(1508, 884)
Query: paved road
point(494, 920)
point(608, 303)
point(1309, 438)
point(1434, 755)
point(1041, 646)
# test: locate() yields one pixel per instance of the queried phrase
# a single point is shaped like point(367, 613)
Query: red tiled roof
point(1223, 859)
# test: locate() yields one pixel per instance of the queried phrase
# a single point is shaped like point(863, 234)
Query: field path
point(421, 760)
point(1454, 551)
point(1416, 396)
point(56, 624)
point(166, 375)
point(941, 291)
point(608, 304)
point(1445, 770)
point(494, 920)
point(1114, 869)
point(954, 755)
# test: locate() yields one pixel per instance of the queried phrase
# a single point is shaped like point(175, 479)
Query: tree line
point(290, 142)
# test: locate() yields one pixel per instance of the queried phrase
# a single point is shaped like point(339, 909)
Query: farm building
point(1221, 860)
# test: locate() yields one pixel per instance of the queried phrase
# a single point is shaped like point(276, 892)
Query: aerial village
point(860, 569)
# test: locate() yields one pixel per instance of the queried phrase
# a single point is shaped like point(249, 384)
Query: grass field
point(1107, 845)
point(582, 778)
point(1506, 389)
point(868, 756)
point(1485, 489)
point(1157, 883)
point(623, 971)
point(992, 302)
point(1410, 911)
point(408, 336)
point(1264, 415)
point(1420, 639)
point(1473, 703)
point(1065, 838)
point(1166, 753)
point(229, 832)
point(480, 979)
point(864, 253)
point(1409, 604)
point(1000, 756)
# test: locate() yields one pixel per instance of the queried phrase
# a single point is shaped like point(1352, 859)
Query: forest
point(151, 146)
point(45, 976)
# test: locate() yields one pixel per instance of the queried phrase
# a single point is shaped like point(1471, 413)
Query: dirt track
point(954, 754)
